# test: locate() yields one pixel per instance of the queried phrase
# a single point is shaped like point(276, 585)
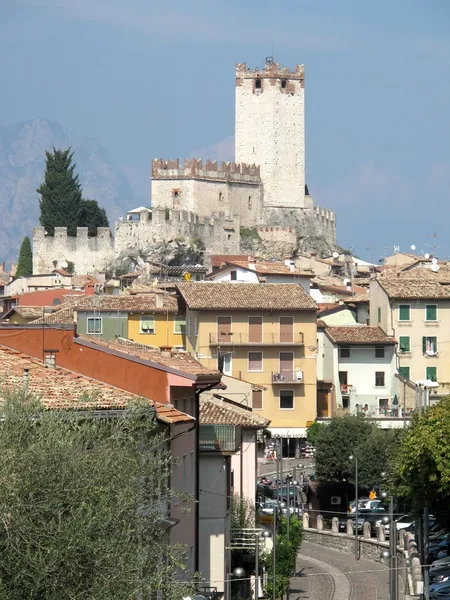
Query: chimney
point(252, 263)
point(26, 378)
point(291, 266)
point(159, 300)
point(166, 351)
point(349, 285)
point(312, 261)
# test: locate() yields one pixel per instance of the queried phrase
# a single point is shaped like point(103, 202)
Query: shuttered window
point(404, 312)
point(257, 399)
point(179, 324)
point(431, 312)
point(379, 379)
point(147, 324)
point(404, 343)
point(404, 372)
point(94, 325)
point(286, 399)
point(255, 361)
point(431, 373)
point(429, 345)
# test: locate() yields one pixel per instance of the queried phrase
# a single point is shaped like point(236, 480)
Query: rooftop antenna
point(413, 247)
point(435, 244)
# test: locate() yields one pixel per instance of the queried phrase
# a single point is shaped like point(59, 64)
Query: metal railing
point(295, 376)
point(250, 339)
point(219, 438)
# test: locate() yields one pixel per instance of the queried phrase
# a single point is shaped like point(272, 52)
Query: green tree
point(313, 431)
point(421, 467)
point(80, 506)
point(346, 435)
point(25, 263)
point(60, 192)
point(92, 216)
point(286, 556)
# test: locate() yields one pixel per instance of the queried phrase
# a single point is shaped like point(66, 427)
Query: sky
point(147, 79)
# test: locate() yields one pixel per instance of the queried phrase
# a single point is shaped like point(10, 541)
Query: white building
point(360, 362)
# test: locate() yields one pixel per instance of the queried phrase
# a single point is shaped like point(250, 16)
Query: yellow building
point(19, 315)
point(158, 329)
point(263, 333)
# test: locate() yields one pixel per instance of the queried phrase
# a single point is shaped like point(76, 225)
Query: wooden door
point(224, 329)
point(255, 330)
point(287, 365)
point(286, 330)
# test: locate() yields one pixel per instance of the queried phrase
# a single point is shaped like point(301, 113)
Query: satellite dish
point(413, 247)
point(64, 264)
point(346, 281)
point(434, 261)
point(427, 256)
point(335, 254)
point(435, 268)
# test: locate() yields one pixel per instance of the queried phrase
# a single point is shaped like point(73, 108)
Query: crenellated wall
point(89, 254)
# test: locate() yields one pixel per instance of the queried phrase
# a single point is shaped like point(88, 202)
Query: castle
point(263, 193)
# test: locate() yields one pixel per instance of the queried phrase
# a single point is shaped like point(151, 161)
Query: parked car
point(403, 522)
point(343, 523)
point(361, 504)
point(439, 563)
point(371, 504)
point(439, 548)
point(440, 575)
point(440, 591)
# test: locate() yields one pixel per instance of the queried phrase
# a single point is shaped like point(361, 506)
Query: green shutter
point(379, 314)
point(404, 312)
point(431, 312)
point(147, 324)
point(431, 373)
point(424, 345)
point(404, 372)
point(180, 324)
point(404, 344)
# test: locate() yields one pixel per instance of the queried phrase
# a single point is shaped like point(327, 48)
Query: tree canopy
point(352, 435)
point(60, 192)
point(80, 506)
point(25, 263)
point(421, 467)
point(92, 216)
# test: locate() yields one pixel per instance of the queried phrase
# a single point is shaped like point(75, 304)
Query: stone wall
point(89, 254)
point(408, 564)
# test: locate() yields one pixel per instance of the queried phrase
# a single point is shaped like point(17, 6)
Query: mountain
point(22, 164)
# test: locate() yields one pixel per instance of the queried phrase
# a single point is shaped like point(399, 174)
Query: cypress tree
point(92, 216)
point(25, 263)
point(60, 192)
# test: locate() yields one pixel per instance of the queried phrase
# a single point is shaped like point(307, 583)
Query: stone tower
point(270, 130)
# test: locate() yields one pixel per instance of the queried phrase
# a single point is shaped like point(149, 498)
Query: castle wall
point(270, 130)
point(89, 254)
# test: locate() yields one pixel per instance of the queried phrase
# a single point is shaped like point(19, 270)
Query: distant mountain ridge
point(22, 164)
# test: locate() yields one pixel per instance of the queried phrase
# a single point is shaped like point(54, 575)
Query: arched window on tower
point(283, 83)
point(258, 84)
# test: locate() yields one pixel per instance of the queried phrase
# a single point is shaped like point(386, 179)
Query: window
point(249, 202)
point(343, 377)
point(283, 84)
point(258, 84)
point(404, 343)
point(404, 312)
point(224, 329)
point(379, 351)
point(188, 327)
point(344, 352)
point(255, 330)
point(220, 196)
point(94, 325)
point(404, 372)
point(257, 399)
point(147, 324)
point(379, 379)
point(255, 361)
point(224, 363)
point(431, 312)
point(379, 314)
point(429, 345)
point(286, 399)
point(233, 275)
point(179, 324)
point(195, 325)
point(286, 330)
point(431, 373)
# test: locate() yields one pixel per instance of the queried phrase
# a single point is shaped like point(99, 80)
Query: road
point(270, 469)
point(324, 574)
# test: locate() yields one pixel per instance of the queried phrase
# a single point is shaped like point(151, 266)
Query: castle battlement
point(103, 233)
point(211, 170)
point(272, 70)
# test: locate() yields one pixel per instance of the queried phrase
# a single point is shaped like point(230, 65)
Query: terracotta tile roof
point(425, 273)
point(62, 389)
point(80, 281)
point(412, 288)
point(358, 334)
point(214, 411)
point(362, 281)
point(129, 303)
point(324, 306)
point(246, 296)
point(217, 260)
point(321, 324)
point(269, 268)
point(180, 361)
point(65, 315)
point(28, 312)
point(357, 299)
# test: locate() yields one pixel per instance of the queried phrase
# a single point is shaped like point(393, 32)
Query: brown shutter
point(255, 330)
point(286, 330)
point(287, 365)
point(257, 399)
point(224, 329)
point(255, 361)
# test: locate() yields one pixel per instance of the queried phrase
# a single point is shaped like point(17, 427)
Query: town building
point(360, 362)
point(417, 312)
point(264, 334)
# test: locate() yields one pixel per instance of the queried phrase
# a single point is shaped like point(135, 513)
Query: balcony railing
point(219, 438)
point(250, 339)
point(296, 376)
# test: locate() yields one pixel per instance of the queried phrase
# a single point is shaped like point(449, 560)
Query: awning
point(284, 432)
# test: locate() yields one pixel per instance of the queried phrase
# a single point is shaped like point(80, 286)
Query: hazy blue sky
point(148, 79)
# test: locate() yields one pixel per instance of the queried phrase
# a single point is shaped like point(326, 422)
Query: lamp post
point(351, 457)
point(392, 553)
point(265, 534)
point(274, 554)
point(239, 573)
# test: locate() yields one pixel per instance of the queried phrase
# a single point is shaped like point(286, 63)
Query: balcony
point(219, 438)
point(295, 377)
point(248, 339)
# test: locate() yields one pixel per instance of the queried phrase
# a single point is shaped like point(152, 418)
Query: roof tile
point(214, 411)
point(358, 334)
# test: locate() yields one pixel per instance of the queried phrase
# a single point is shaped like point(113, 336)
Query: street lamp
point(351, 457)
point(392, 552)
point(274, 554)
point(259, 534)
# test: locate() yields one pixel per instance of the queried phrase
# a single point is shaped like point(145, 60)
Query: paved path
point(324, 574)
